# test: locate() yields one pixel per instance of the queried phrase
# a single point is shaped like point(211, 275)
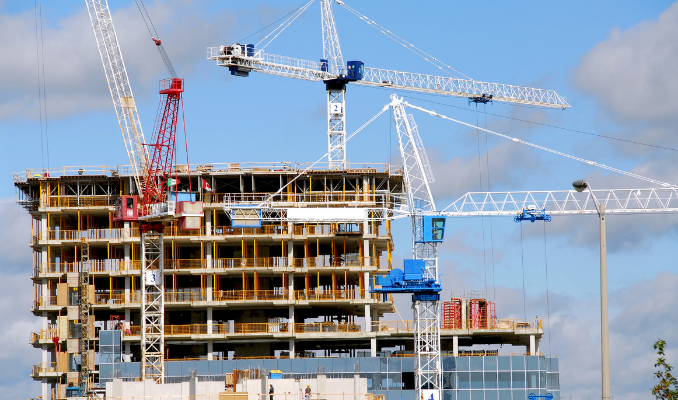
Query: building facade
point(280, 291)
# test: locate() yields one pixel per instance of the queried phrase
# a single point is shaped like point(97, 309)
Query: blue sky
point(614, 61)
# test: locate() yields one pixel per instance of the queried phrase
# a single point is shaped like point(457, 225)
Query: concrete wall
point(149, 390)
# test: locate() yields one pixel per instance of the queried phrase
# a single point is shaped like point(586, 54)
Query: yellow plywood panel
point(62, 294)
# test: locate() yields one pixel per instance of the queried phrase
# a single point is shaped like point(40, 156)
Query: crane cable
point(284, 25)
point(548, 305)
point(156, 38)
point(270, 197)
point(409, 46)
point(543, 124)
point(42, 97)
point(593, 163)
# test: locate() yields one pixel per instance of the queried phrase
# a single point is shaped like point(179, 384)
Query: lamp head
point(580, 185)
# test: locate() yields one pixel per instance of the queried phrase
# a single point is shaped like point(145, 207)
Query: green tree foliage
point(667, 388)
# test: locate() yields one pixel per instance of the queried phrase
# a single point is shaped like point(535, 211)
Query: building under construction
point(293, 297)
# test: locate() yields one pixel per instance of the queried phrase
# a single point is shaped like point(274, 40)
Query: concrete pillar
point(532, 345)
point(128, 249)
point(455, 345)
point(43, 227)
point(209, 320)
point(45, 293)
point(366, 282)
point(45, 389)
point(210, 350)
point(368, 318)
point(291, 347)
point(208, 223)
point(209, 286)
point(290, 324)
point(290, 249)
point(208, 255)
point(127, 293)
point(128, 352)
point(356, 387)
point(373, 347)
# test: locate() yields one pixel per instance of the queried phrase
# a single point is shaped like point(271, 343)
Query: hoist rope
point(269, 25)
point(409, 46)
point(284, 25)
point(593, 163)
point(543, 124)
point(548, 304)
point(489, 189)
point(155, 35)
point(42, 96)
point(522, 262)
point(482, 218)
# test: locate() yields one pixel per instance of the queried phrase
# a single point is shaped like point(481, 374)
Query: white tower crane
point(243, 59)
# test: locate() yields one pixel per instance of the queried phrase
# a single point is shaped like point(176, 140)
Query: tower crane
point(243, 59)
point(420, 274)
point(152, 173)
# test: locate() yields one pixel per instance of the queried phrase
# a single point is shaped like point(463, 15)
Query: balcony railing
point(471, 324)
point(250, 295)
point(255, 328)
point(43, 334)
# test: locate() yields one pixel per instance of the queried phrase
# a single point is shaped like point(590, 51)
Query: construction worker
point(270, 392)
point(308, 392)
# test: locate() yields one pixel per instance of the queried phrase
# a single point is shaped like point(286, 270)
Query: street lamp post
point(579, 186)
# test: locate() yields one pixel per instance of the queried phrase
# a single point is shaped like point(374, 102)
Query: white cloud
point(632, 73)
point(74, 76)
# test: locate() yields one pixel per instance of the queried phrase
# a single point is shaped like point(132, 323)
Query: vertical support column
point(128, 323)
point(290, 286)
point(43, 228)
point(368, 318)
point(533, 350)
point(210, 342)
point(290, 249)
point(455, 345)
point(290, 318)
point(373, 347)
point(292, 348)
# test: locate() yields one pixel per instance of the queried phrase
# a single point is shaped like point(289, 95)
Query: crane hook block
point(158, 42)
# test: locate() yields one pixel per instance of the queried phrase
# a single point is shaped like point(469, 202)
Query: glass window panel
point(504, 363)
point(463, 395)
point(490, 363)
point(376, 381)
point(532, 363)
point(541, 363)
point(533, 380)
point(552, 382)
point(476, 363)
point(490, 395)
point(394, 364)
point(463, 380)
point(383, 364)
point(490, 380)
point(504, 395)
point(367, 364)
point(462, 363)
point(449, 364)
point(384, 381)
point(542, 379)
point(505, 380)
point(449, 395)
point(408, 364)
point(395, 381)
point(518, 380)
point(552, 364)
point(477, 395)
point(448, 380)
point(476, 380)
point(519, 395)
point(518, 363)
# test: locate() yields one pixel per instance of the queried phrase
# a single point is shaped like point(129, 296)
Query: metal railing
point(478, 324)
point(250, 295)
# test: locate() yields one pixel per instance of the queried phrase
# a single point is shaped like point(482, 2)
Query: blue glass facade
point(503, 377)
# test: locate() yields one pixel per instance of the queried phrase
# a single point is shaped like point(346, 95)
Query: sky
point(615, 61)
